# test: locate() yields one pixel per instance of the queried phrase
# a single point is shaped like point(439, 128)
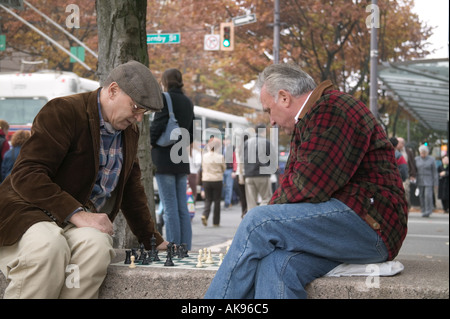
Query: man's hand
point(163, 245)
point(96, 220)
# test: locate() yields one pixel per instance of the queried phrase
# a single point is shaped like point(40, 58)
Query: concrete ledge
point(421, 279)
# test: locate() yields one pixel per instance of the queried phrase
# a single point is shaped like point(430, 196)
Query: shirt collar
point(301, 109)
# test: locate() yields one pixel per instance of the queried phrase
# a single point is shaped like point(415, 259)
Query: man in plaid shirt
point(341, 199)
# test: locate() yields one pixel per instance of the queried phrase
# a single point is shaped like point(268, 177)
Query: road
point(427, 237)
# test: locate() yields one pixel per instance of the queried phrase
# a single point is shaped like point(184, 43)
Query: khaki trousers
point(255, 186)
point(51, 262)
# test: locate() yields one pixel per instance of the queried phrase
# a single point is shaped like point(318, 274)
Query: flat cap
point(138, 82)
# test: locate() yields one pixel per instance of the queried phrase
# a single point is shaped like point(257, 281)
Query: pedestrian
point(259, 156)
point(443, 183)
point(427, 180)
point(408, 155)
point(4, 145)
point(230, 172)
point(17, 140)
point(213, 168)
point(195, 163)
point(401, 162)
point(72, 176)
point(340, 200)
point(240, 179)
point(171, 173)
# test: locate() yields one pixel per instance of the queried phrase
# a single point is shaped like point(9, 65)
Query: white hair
point(284, 76)
point(424, 148)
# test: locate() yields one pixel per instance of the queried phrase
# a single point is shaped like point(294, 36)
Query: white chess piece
point(220, 259)
point(205, 254)
point(132, 265)
point(209, 260)
point(199, 264)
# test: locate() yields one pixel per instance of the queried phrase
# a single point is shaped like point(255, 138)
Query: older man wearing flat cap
point(77, 170)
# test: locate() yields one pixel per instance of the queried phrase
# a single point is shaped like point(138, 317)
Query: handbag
point(172, 132)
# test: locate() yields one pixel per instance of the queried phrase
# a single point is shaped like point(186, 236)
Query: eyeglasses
point(140, 109)
point(137, 109)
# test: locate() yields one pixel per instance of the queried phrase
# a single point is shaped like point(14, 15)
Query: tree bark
point(121, 38)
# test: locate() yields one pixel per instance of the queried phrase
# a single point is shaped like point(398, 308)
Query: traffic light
point(227, 36)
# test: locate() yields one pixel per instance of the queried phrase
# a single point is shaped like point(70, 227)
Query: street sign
point(212, 42)
point(241, 20)
point(78, 52)
point(163, 38)
point(2, 42)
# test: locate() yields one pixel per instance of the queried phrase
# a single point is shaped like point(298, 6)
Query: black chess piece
point(155, 256)
point(127, 257)
point(147, 260)
point(134, 253)
point(169, 261)
point(180, 253)
point(142, 251)
point(185, 250)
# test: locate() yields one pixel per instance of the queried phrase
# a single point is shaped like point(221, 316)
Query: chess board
point(179, 263)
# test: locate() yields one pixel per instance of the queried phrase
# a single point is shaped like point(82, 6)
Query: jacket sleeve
point(33, 177)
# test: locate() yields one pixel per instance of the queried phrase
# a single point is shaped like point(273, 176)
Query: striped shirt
point(110, 163)
point(339, 150)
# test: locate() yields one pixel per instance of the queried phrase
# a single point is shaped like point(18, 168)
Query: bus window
point(20, 111)
point(210, 124)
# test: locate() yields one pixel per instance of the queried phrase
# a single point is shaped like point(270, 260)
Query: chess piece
point(209, 259)
point(169, 261)
point(132, 265)
point(205, 254)
point(134, 253)
point(142, 253)
point(180, 253)
point(185, 250)
point(153, 249)
point(199, 258)
point(127, 257)
point(147, 260)
point(220, 259)
point(155, 256)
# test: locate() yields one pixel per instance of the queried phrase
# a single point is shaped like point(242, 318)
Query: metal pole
point(46, 37)
point(62, 29)
point(276, 33)
point(373, 99)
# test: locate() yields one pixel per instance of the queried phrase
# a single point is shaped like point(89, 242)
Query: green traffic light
point(226, 43)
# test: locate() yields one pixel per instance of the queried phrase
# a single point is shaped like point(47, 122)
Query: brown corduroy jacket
point(57, 168)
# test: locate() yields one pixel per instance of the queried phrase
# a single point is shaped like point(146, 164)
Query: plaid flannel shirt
point(339, 150)
point(110, 162)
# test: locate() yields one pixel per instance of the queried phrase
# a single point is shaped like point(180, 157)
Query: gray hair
point(288, 77)
point(423, 148)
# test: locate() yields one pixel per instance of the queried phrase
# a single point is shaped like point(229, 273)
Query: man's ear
point(113, 90)
point(284, 98)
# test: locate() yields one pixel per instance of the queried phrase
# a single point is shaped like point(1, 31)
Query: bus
point(22, 95)
point(209, 122)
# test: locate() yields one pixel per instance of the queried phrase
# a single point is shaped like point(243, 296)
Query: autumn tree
point(21, 38)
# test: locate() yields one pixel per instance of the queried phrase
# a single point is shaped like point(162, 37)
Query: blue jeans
point(278, 249)
point(227, 186)
point(177, 221)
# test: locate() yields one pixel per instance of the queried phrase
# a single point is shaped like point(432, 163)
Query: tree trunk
point(121, 38)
